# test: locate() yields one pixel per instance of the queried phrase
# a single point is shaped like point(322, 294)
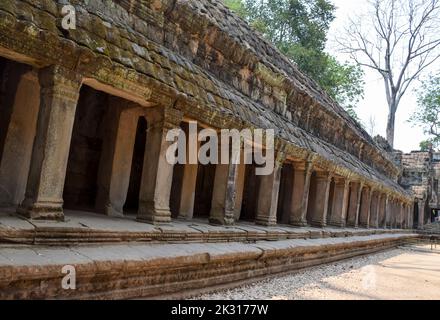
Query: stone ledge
point(90, 228)
point(142, 270)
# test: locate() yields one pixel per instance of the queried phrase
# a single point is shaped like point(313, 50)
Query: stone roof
point(237, 41)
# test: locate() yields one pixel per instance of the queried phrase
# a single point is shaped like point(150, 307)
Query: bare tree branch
point(398, 39)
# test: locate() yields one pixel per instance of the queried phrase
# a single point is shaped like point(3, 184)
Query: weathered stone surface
point(133, 271)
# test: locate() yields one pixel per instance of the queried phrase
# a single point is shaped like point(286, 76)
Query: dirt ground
point(408, 273)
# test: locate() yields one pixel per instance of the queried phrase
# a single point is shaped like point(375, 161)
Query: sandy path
point(397, 274)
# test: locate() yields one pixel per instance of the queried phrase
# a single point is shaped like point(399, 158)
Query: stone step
point(127, 271)
point(89, 228)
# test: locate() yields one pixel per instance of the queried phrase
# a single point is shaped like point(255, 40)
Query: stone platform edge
point(178, 270)
point(18, 231)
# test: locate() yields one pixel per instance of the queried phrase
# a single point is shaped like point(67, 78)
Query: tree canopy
point(428, 113)
point(299, 29)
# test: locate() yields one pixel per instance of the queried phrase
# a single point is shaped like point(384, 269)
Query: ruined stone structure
point(83, 118)
point(84, 114)
point(421, 175)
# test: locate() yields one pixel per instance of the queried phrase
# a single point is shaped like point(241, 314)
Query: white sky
point(407, 137)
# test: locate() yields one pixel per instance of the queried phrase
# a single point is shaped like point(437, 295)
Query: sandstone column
point(364, 219)
point(376, 220)
point(268, 195)
point(407, 217)
point(319, 207)
point(354, 205)
point(382, 210)
point(117, 154)
point(189, 181)
point(410, 216)
point(394, 215)
point(391, 214)
point(340, 202)
point(188, 191)
point(421, 223)
point(401, 215)
point(240, 188)
point(157, 174)
point(228, 190)
point(374, 210)
point(224, 194)
point(58, 99)
point(19, 140)
point(300, 196)
point(388, 205)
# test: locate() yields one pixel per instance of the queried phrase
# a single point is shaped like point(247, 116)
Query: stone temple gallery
point(84, 181)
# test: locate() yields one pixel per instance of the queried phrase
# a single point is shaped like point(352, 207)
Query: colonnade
point(317, 196)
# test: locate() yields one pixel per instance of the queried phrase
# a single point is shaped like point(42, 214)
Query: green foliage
point(428, 114)
point(299, 29)
point(237, 6)
point(425, 145)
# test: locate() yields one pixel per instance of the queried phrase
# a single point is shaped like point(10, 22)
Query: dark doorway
point(250, 194)
point(80, 188)
point(132, 202)
point(285, 194)
point(204, 190)
point(10, 75)
point(416, 215)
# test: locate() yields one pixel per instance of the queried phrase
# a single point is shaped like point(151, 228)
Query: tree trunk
point(390, 126)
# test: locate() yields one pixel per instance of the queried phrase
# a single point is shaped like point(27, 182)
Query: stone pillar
point(394, 215)
point(19, 140)
point(405, 216)
point(406, 213)
point(401, 215)
point(421, 223)
point(228, 190)
point(268, 194)
point(117, 154)
point(319, 207)
point(157, 174)
point(392, 212)
point(300, 196)
point(374, 210)
point(382, 212)
point(188, 191)
point(354, 205)
point(189, 180)
point(240, 188)
point(364, 219)
point(388, 212)
point(58, 100)
point(340, 202)
point(224, 195)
